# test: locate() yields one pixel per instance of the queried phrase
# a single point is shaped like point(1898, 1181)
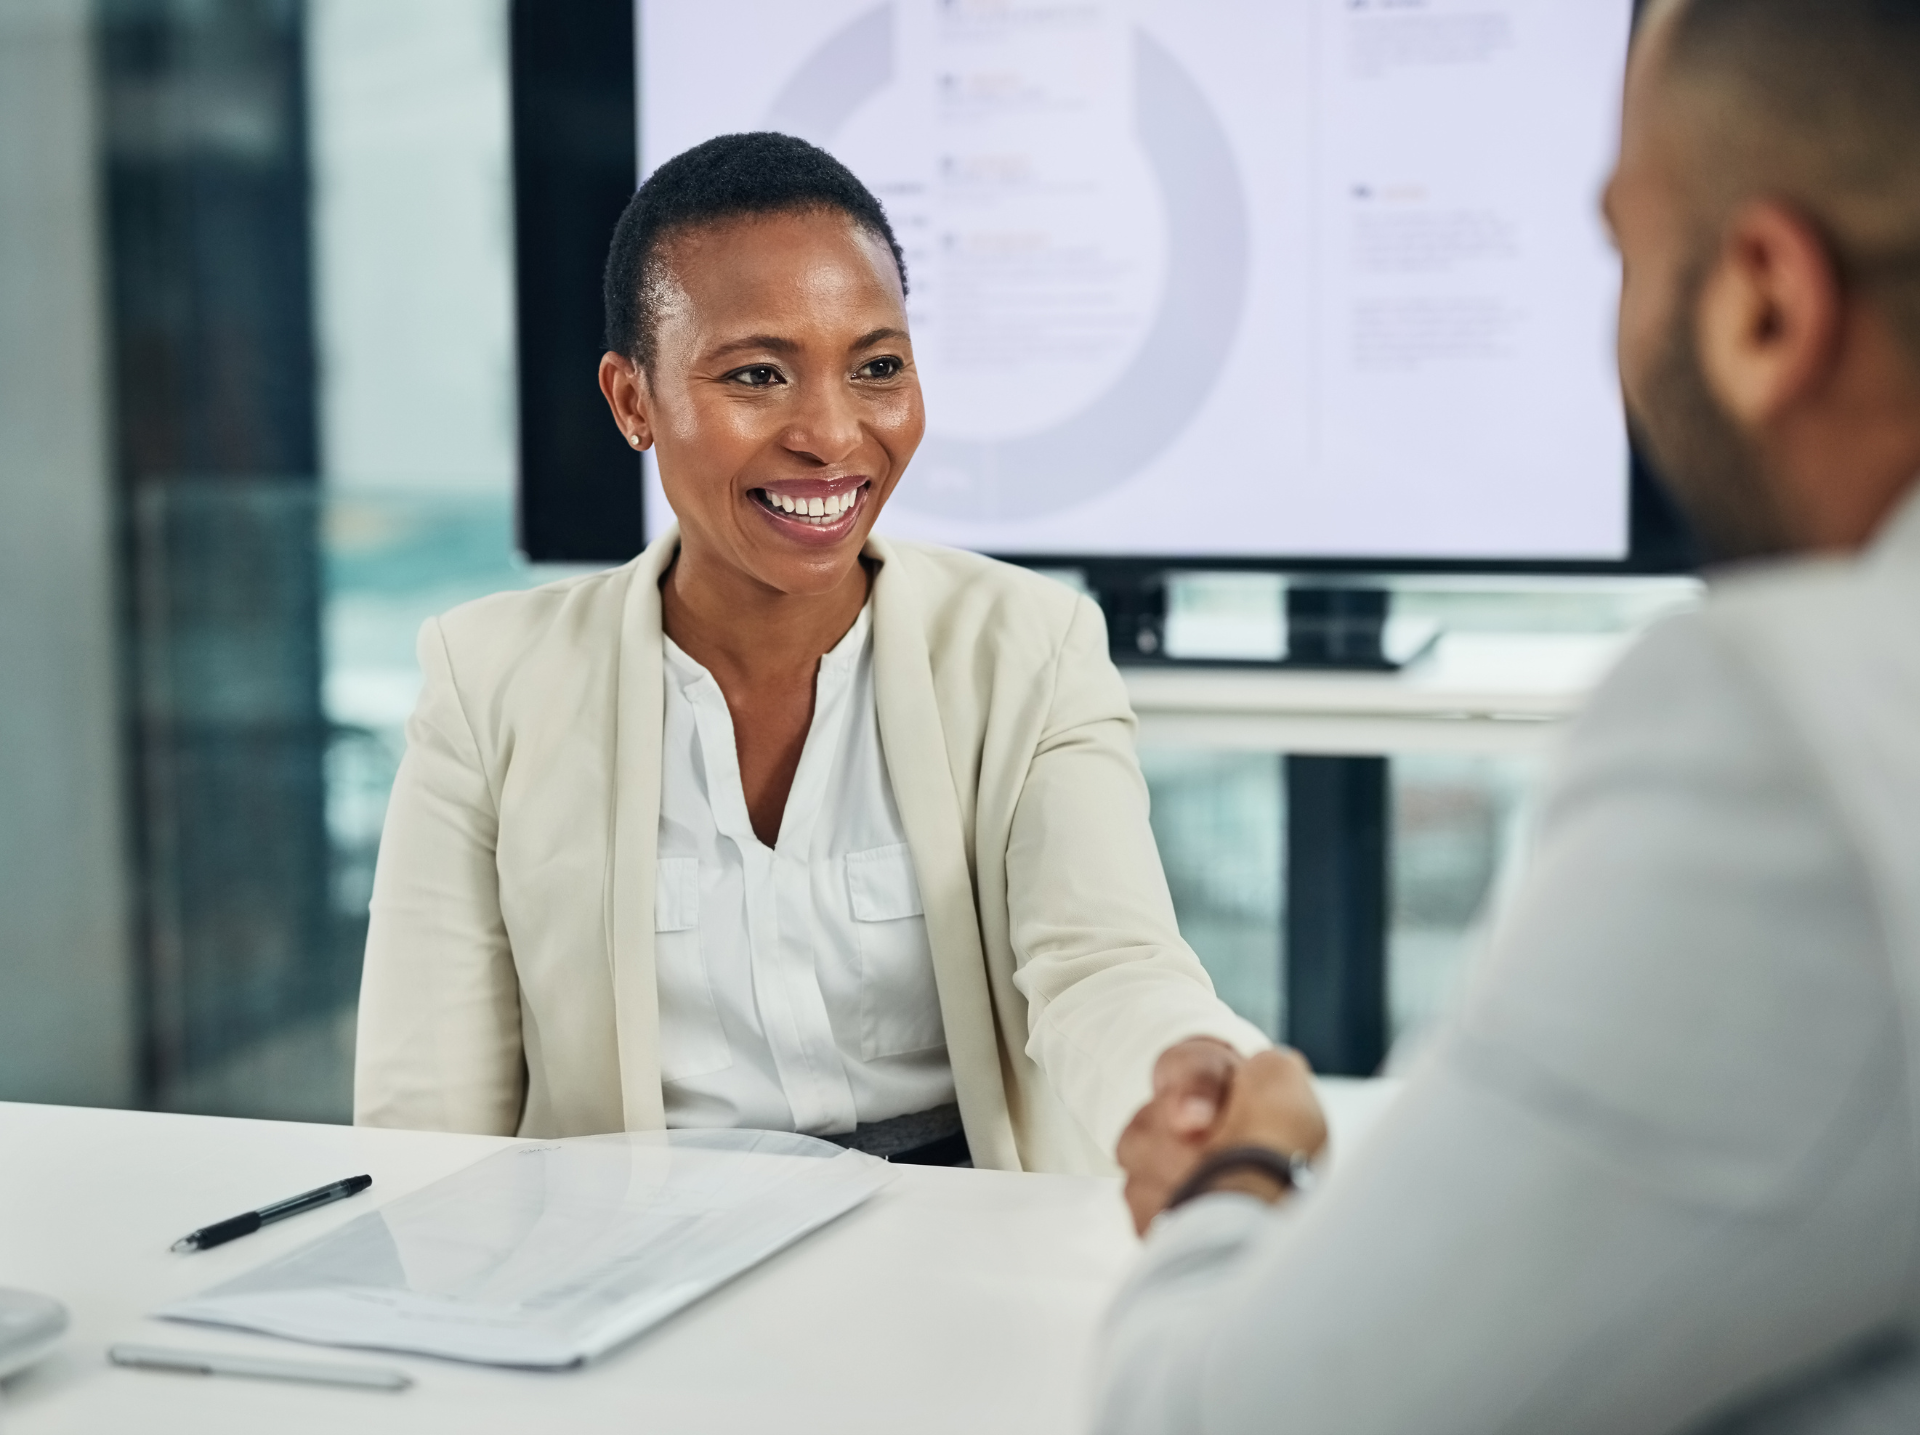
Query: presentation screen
point(1313, 279)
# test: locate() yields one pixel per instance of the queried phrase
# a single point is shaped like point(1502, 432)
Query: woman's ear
point(625, 388)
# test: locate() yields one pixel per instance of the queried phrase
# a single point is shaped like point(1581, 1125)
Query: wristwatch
point(1291, 1170)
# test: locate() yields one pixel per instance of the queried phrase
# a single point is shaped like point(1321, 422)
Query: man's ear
point(625, 388)
point(1768, 323)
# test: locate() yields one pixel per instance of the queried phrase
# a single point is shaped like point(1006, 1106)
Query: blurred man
point(1663, 1173)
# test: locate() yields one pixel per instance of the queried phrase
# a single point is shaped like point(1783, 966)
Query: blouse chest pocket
point(899, 1003)
point(691, 1040)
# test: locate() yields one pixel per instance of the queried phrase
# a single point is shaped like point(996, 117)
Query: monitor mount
point(1329, 627)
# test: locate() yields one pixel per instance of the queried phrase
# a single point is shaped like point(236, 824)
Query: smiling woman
point(782, 824)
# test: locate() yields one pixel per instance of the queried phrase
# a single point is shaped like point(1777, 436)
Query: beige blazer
point(509, 984)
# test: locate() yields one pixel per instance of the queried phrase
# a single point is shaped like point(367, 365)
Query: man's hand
point(1272, 1105)
point(1269, 1102)
point(1160, 1145)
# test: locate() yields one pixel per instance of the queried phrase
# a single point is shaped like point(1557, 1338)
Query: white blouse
point(796, 982)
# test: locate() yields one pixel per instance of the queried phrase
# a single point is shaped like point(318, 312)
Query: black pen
point(223, 1231)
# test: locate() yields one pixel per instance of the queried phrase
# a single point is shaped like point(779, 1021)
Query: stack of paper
point(550, 1254)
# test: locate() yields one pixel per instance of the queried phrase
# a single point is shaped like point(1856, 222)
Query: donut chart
point(1174, 369)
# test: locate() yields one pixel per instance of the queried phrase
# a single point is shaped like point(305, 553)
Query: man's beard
point(1708, 465)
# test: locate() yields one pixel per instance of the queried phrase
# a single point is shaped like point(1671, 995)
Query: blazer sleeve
point(1108, 981)
point(439, 1029)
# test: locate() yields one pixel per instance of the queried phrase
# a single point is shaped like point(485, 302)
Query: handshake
point(1207, 1100)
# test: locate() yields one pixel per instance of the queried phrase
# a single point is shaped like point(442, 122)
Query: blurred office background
point(256, 422)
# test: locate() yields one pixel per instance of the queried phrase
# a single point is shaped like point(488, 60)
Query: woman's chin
point(806, 569)
point(784, 553)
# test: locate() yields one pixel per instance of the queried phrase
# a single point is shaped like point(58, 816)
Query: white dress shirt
point(796, 982)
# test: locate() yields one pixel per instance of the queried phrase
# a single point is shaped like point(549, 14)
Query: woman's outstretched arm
point(1109, 983)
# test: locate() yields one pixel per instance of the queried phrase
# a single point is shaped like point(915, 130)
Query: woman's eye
point(881, 368)
point(756, 376)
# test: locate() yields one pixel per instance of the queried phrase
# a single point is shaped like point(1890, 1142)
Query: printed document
point(549, 1254)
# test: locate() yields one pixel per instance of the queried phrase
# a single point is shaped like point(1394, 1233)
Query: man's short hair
point(1817, 103)
point(730, 177)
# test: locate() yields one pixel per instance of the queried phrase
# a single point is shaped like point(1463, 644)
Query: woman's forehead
point(815, 261)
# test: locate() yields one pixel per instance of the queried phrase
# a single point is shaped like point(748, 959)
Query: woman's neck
point(746, 633)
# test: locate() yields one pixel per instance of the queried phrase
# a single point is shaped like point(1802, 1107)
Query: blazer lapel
point(913, 740)
point(631, 854)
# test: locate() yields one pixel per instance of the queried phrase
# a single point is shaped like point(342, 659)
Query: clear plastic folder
point(550, 1254)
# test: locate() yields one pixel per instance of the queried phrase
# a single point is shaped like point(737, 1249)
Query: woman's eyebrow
point(773, 343)
point(762, 342)
point(876, 336)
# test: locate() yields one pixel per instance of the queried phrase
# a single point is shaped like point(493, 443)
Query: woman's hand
point(1191, 1081)
point(1266, 1101)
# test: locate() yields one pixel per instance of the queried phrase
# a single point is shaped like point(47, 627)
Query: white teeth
point(821, 510)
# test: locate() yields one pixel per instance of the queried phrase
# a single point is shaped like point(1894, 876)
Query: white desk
point(958, 1301)
point(1492, 693)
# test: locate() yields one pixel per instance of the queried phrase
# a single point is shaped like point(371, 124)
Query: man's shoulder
point(1836, 646)
point(1801, 672)
point(1816, 610)
point(1826, 634)
point(1681, 686)
point(1783, 626)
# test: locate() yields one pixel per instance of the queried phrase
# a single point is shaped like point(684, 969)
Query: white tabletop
point(954, 1300)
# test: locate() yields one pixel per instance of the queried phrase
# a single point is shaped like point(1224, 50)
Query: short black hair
point(1817, 102)
point(729, 177)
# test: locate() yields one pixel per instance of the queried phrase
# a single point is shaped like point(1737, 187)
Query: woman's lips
point(821, 514)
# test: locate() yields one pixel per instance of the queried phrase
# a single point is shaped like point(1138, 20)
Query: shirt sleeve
point(1108, 981)
point(438, 1045)
point(1663, 1155)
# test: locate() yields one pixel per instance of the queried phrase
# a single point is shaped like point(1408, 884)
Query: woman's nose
point(826, 426)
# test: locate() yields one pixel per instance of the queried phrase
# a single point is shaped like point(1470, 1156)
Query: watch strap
point(1290, 1171)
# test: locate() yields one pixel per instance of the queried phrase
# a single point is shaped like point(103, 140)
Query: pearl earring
point(634, 439)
